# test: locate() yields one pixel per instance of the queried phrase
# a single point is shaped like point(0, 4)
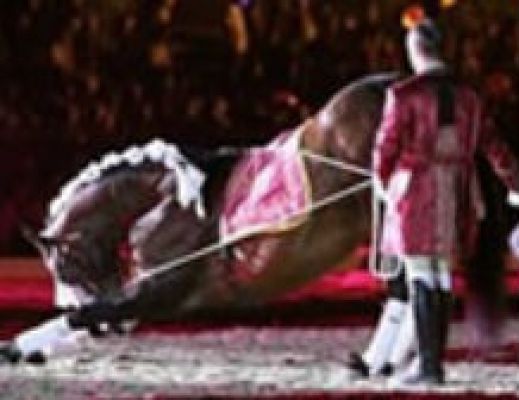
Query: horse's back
point(273, 264)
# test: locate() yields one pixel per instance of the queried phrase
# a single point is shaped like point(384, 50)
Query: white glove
point(513, 198)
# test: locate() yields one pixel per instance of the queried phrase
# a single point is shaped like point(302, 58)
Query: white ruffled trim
point(190, 179)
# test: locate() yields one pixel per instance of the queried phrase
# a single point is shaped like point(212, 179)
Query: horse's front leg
point(66, 332)
point(36, 344)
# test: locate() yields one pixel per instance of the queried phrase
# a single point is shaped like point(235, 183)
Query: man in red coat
point(431, 129)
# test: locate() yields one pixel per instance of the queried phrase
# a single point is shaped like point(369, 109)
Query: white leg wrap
point(406, 341)
point(44, 337)
point(68, 344)
point(385, 335)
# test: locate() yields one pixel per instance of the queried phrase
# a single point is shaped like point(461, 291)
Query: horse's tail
point(486, 270)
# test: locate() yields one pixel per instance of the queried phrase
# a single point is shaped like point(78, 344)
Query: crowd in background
point(80, 77)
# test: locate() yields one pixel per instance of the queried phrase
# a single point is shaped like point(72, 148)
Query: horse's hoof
point(9, 354)
point(36, 358)
point(387, 369)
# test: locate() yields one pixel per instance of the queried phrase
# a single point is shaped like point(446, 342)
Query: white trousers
point(433, 271)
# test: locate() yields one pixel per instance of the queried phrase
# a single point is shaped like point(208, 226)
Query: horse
point(108, 204)
point(138, 200)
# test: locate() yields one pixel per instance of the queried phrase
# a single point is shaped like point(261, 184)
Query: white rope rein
point(333, 162)
point(315, 206)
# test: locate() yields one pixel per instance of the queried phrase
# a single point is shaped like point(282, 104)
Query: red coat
point(434, 209)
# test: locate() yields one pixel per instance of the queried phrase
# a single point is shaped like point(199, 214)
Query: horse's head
point(76, 260)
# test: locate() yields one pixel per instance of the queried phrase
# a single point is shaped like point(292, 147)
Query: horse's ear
point(44, 242)
point(40, 243)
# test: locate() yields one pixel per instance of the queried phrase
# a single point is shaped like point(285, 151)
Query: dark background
point(79, 78)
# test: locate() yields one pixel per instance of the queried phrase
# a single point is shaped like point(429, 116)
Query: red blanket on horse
point(268, 191)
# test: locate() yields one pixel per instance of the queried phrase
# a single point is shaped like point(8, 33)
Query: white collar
point(429, 64)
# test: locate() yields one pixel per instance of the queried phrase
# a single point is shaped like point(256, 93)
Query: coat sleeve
point(498, 154)
point(388, 138)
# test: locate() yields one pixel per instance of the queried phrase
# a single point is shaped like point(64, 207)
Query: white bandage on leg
point(405, 344)
point(433, 272)
point(385, 335)
point(44, 337)
point(406, 375)
point(69, 344)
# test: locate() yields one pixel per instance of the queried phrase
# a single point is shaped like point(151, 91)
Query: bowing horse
point(149, 234)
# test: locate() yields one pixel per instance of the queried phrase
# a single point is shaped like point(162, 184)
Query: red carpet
point(26, 285)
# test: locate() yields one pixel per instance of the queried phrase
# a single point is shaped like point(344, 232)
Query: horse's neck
point(112, 202)
point(135, 190)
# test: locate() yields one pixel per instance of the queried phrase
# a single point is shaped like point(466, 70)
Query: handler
point(424, 167)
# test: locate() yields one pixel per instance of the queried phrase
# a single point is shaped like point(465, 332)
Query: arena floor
point(289, 358)
point(245, 362)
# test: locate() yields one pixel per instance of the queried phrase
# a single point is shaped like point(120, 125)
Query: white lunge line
point(212, 248)
point(333, 162)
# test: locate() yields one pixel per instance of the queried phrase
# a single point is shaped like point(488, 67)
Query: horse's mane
point(154, 152)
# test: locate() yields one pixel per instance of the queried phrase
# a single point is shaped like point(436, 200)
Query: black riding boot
point(397, 291)
point(444, 313)
point(431, 319)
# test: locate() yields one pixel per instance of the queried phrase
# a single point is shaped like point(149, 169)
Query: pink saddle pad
point(268, 190)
